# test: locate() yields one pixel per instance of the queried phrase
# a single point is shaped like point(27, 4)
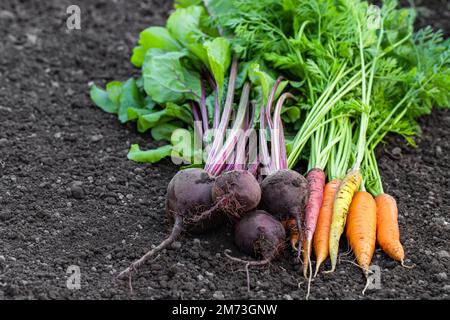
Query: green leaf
point(186, 3)
point(243, 73)
point(129, 98)
point(170, 112)
point(290, 114)
point(259, 76)
point(182, 112)
point(185, 26)
point(151, 120)
point(184, 23)
point(114, 89)
point(135, 113)
point(167, 80)
point(159, 38)
point(149, 156)
point(101, 99)
point(220, 11)
point(210, 106)
point(137, 58)
point(153, 37)
point(149, 103)
point(219, 57)
point(163, 131)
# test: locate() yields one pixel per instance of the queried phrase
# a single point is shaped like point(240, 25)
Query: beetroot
point(260, 235)
point(284, 195)
point(190, 206)
point(236, 192)
point(189, 197)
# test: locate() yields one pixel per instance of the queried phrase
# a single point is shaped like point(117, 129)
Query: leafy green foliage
point(118, 98)
point(186, 3)
point(102, 100)
point(309, 42)
point(186, 26)
point(153, 38)
point(219, 58)
point(149, 156)
point(166, 79)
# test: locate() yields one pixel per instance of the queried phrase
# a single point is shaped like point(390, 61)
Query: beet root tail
point(247, 265)
point(176, 231)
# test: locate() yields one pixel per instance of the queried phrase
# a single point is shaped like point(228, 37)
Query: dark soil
point(69, 196)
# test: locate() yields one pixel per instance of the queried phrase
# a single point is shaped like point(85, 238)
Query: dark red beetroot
point(236, 192)
point(189, 197)
point(284, 195)
point(190, 206)
point(260, 235)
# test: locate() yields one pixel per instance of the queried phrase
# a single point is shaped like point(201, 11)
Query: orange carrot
point(388, 233)
point(362, 228)
point(322, 233)
point(290, 225)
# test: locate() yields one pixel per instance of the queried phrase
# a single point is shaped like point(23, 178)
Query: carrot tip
point(317, 270)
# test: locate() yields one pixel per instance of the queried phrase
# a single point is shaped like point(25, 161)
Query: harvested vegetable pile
point(245, 92)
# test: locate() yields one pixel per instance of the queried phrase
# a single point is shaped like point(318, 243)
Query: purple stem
point(197, 119)
point(271, 100)
point(283, 156)
point(278, 146)
point(265, 156)
point(231, 141)
point(220, 132)
point(241, 150)
point(213, 85)
point(253, 167)
point(203, 108)
point(231, 165)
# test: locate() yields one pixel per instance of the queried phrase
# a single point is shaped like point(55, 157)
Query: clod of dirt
point(397, 151)
point(6, 15)
point(443, 254)
point(442, 276)
point(96, 137)
point(77, 190)
point(176, 245)
point(218, 295)
point(5, 215)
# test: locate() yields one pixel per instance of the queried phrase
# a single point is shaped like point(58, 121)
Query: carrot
point(350, 184)
point(388, 233)
point(316, 182)
point(362, 228)
point(322, 232)
point(290, 225)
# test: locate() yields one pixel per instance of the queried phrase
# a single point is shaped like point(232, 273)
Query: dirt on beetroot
point(69, 196)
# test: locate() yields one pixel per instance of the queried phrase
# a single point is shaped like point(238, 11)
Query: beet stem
point(176, 231)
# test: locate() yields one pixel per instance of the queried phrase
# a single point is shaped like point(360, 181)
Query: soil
point(69, 196)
